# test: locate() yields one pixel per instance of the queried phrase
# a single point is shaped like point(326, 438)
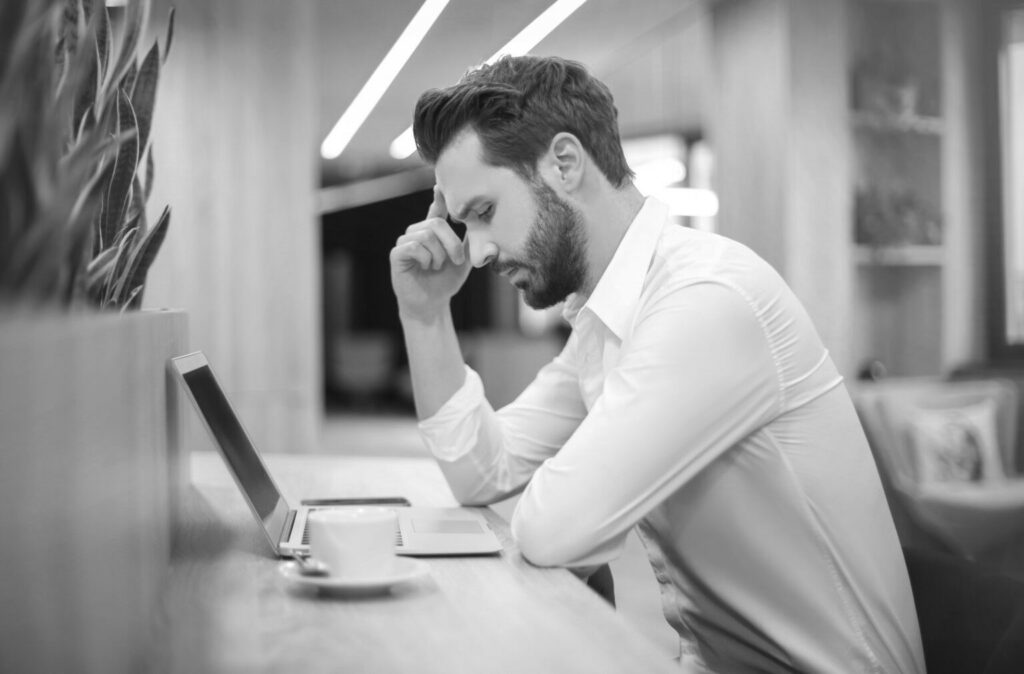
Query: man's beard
point(554, 256)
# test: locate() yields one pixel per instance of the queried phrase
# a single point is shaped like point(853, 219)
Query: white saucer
point(402, 570)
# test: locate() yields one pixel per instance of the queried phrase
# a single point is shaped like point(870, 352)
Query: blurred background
point(871, 150)
point(858, 146)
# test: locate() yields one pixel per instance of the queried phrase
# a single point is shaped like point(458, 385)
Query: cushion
point(958, 445)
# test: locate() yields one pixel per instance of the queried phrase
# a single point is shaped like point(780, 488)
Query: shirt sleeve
point(487, 455)
point(696, 376)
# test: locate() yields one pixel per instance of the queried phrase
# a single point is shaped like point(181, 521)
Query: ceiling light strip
point(381, 79)
point(522, 43)
point(530, 37)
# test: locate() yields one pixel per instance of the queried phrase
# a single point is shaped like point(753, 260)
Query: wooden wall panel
point(963, 184)
point(236, 152)
point(818, 204)
point(748, 125)
point(778, 129)
point(661, 80)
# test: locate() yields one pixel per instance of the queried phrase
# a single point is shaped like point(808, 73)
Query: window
point(1011, 113)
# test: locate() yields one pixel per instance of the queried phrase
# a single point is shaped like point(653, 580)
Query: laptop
point(420, 531)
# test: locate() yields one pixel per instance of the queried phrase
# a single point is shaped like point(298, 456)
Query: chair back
point(890, 408)
point(963, 517)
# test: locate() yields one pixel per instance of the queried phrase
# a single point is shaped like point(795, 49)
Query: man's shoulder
point(687, 256)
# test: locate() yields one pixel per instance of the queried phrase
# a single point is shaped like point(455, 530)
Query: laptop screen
point(235, 446)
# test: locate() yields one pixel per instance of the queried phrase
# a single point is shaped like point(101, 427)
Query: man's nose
point(482, 251)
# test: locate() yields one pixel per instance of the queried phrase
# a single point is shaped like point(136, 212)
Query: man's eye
point(487, 213)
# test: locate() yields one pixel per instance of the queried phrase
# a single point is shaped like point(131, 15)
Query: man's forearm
point(435, 362)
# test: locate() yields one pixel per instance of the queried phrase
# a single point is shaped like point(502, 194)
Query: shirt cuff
point(452, 431)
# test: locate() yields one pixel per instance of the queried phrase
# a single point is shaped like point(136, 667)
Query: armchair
point(946, 454)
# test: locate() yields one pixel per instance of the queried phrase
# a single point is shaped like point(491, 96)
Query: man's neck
point(608, 215)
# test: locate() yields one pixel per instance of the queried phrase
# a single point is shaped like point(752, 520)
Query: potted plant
point(88, 423)
point(75, 156)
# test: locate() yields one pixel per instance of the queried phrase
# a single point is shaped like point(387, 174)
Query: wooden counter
point(226, 608)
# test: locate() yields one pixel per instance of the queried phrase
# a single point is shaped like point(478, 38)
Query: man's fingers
point(438, 209)
point(414, 252)
point(429, 243)
point(449, 239)
point(437, 231)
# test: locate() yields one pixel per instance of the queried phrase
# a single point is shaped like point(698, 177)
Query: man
point(693, 400)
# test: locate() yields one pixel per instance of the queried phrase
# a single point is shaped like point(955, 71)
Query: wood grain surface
point(226, 608)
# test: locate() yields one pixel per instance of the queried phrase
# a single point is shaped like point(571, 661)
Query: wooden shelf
point(900, 256)
point(874, 121)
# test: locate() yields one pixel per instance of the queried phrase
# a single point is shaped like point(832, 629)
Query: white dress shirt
point(695, 401)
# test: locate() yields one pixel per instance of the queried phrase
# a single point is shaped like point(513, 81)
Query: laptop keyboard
point(305, 531)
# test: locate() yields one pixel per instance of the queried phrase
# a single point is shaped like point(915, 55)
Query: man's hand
point(429, 264)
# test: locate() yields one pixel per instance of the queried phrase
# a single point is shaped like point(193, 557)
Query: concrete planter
point(91, 476)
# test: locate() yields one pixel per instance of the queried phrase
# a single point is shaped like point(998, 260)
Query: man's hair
point(516, 106)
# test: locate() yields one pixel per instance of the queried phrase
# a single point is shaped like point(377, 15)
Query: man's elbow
point(471, 488)
point(476, 495)
point(542, 545)
point(473, 499)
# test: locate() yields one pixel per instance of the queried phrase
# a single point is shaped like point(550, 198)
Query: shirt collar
point(617, 293)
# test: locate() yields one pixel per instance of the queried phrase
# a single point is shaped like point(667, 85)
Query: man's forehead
point(462, 157)
point(461, 173)
point(463, 149)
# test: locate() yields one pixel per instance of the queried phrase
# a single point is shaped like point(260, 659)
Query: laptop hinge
point(286, 531)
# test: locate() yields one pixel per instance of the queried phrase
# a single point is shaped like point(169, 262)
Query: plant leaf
point(146, 253)
point(81, 233)
point(37, 268)
point(122, 261)
point(103, 38)
point(137, 209)
point(15, 21)
point(150, 172)
point(144, 93)
point(89, 53)
point(133, 300)
point(101, 260)
point(104, 44)
point(127, 82)
point(87, 6)
point(170, 34)
point(71, 145)
point(135, 18)
point(99, 267)
point(17, 198)
point(103, 237)
point(123, 174)
point(72, 24)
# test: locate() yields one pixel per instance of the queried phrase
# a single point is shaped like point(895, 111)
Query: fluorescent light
point(538, 29)
point(528, 38)
point(688, 201)
point(404, 145)
point(381, 79)
point(658, 173)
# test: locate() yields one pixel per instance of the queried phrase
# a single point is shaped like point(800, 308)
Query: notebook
point(421, 531)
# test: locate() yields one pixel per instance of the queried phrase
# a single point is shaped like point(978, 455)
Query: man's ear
point(566, 161)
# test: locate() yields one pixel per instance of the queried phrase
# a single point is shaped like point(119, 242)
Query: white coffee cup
point(353, 542)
